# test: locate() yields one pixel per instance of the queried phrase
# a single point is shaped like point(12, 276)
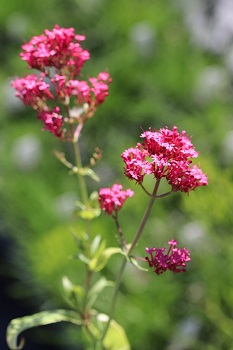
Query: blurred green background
point(171, 63)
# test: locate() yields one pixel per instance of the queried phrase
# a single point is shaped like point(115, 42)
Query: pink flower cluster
point(33, 90)
point(112, 199)
point(165, 154)
point(174, 260)
point(93, 92)
point(60, 49)
point(52, 121)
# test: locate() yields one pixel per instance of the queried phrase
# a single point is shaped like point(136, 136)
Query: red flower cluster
point(52, 121)
point(59, 57)
point(174, 260)
point(59, 48)
point(33, 90)
point(165, 153)
point(93, 92)
point(112, 199)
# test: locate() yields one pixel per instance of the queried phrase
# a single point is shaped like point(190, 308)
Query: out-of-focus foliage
point(163, 74)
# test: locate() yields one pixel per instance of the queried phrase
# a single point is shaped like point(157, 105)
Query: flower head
point(169, 143)
point(165, 153)
point(137, 165)
point(53, 121)
point(100, 87)
point(59, 57)
point(59, 48)
point(112, 199)
point(185, 178)
point(174, 260)
point(32, 90)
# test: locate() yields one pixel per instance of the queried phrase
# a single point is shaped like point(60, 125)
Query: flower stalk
point(129, 252)
point(82, 182)
point(164, 154)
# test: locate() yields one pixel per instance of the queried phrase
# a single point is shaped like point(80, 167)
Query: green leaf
point(94, 197)
point(95, 245)
point(91, 210)
point(82, 258)
point(136, 264)
point(97, 255)
point(74, 293)
point(61, 156)
point(89, 172)
point(111, 251)
point(99, 262)
point(80, 237)
point(19, 325)
point(88, 213)
point(115, 338)
point(80, 205)
point(95, 291)
point(94, 203)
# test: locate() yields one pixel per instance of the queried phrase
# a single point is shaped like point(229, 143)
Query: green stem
point(123, 241)
point(134, 243)
point(78, 161)
point(114, 299)
point(144, 219)
point(82, 183)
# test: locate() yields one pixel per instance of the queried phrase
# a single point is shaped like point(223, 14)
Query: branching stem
point(120, 273)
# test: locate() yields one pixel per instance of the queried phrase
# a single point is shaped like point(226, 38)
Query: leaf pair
point(115, 338)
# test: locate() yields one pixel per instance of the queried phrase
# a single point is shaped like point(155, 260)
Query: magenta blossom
point(53, 121)
point(185, 177)
point(93, 92)
point(59, 57)
point(100, 87)
point(174, 260)
point(32, 90)
point(59, 48)
point(165, 154)
point(112, 199)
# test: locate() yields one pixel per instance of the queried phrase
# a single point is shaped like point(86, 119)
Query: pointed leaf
point(89, 172)
point(115, 338)
point(111, 251)
point(94, 197)
point(61, 156)
point(97, 257)
point(95, 245)
point(96, 289)
point(87, 213)
point(79, 235)
point(74, 294)
point(90, 213)
point(82, 258)
point(80, 205)
point(136, 264)
point(18, 325)
point(98, 264)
